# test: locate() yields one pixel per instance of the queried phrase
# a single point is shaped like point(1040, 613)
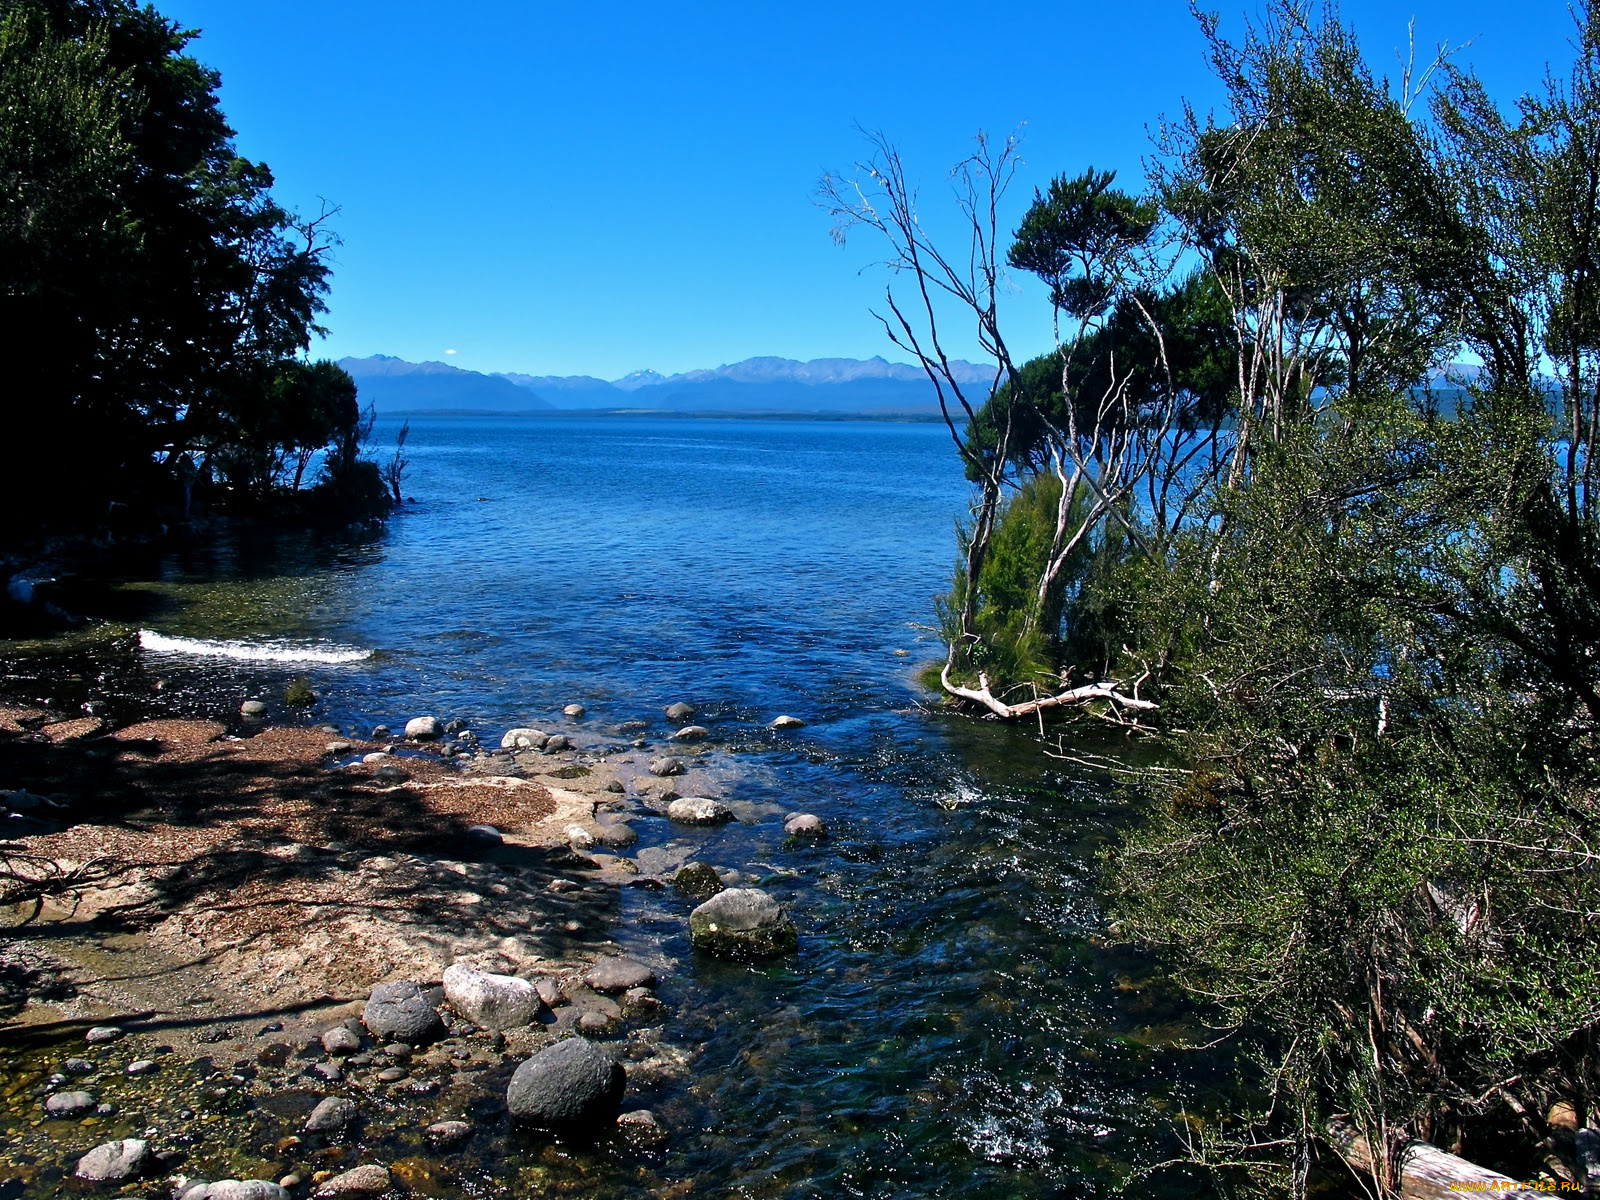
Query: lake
point(953, 1024)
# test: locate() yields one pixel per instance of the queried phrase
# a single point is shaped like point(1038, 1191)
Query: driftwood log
point(1427, 1172)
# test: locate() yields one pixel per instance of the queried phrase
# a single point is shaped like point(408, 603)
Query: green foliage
point(299, 694)
point(175, 294)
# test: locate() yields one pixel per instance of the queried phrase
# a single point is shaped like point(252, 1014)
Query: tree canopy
point(156, 300)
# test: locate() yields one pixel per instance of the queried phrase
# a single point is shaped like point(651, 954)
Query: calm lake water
point(951, 1025)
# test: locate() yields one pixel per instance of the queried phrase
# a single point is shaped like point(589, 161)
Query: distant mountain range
point(756, 385)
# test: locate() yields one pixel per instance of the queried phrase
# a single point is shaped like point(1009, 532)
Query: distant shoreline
point(705, 414)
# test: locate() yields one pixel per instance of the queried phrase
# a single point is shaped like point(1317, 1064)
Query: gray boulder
point(698, 880)
point(70, 1104)
point(522, 739)
point(340, 1040)
point(115, 1162)
point(556, 743)
point(331, 1114)
point(399, 1012)
point(665, 765)
point(787, 722)
point(252, 708)
point(101, 1034)
point(742, 923)
point(575, 711)
point(692, 733)
point(805, 825)
point(616, 835)
point(496, 1002)
point(424, 729)
point(572, 1084)
point(445, 1134)
point(680, 711)
point(699, 810)
point(619, 974)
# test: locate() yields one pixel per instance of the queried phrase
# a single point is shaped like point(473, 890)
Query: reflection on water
point(952, 1025)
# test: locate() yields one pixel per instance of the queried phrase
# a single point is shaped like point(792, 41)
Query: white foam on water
point(248, 651)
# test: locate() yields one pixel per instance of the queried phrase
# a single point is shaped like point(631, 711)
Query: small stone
point(290, 1181)
point(424, 729)
point(377, 756)
point(101, 1034)
point(370, 1180)
point(641, 1000)
point(329, 1072)
point(487, 834)
point(339, 1041)
point(115, 1162)
point(573, 710)
point(143, 1066)
point(634, 726)
point(549, 991)
point(70, 1104)
point(446, 1134)
point(241, 1189)
point(105, 1110)
point(616, 835)
point(640, 1126)
point(252, 708)
point(274, 1054)
point(805, 825)
point(680, 711)
point(331, 1113)
point(556, 743)
point(392, 1074)
point(595, 1024)
point(423, 1087)
point(338, 747)
point(380, 732)
point(78, 1066)
point(619, 974)
point(699, 810)
point(579, 838)
point(787, 722)
point(697, 880)
point(665, 765)
point(390, 773)
point(398, 1051)
point(692, 733)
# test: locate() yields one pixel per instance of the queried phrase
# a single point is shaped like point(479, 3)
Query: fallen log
point(1427, 1172)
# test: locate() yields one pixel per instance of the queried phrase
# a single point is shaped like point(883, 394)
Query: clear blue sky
point(590, 189)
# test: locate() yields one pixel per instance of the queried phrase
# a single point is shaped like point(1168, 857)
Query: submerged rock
point(699, 810)
point(115, 1162)
point(370, 1180)
point(742, 923)
point(692, 733)
point(399, 1012)
point(332, 1113)
point(496, 1002)
point(573, 710)
point(238, 1189)
point(680, 711)
point(665, 765)
point(787, 722)
point(446, 1134)
point(697, 880)
point(252, 708)
point(570, 1085)
point(70, 1104)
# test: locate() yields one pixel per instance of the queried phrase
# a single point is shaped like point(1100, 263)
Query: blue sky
point(591, 189)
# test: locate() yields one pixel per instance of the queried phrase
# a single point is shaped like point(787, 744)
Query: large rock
point(115, 1162)
point(692, 733)
point(424, 729)
point(680, 711)
point(331, 1114)
point(742, 923)
point(665, 765)
point(399, 1012)
point(699, 810)
point(807, 826)
point(495, 1002)
point(787, 722)
point(523, 739)
point(619, 974)
point(570, 1085)
point(370, 1180)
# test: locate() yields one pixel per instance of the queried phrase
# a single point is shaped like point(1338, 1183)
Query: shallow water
point(951, 1026)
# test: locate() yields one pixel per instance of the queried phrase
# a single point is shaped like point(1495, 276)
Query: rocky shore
point(284, 961)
